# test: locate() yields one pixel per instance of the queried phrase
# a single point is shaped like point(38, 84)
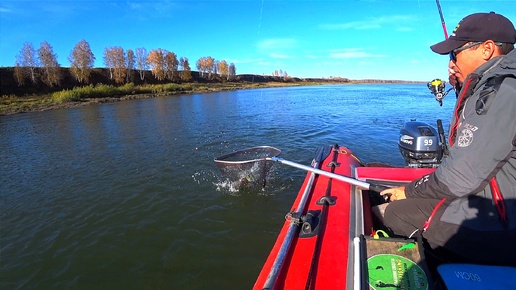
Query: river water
point(126, 195)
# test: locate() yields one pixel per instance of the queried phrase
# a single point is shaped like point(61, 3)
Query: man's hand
point(452, 74)
point(395, 193)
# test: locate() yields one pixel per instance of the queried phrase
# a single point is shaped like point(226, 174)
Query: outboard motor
point(420, 145)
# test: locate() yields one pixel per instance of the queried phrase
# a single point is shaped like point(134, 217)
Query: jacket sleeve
point(483, 145)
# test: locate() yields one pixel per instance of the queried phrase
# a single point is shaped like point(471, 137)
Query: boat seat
point(473, 276)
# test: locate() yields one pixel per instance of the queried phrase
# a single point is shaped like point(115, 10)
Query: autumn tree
point(199, 66)
point(223, 69)
point(81, 61)
point(120, 70)
point(205, 65)
point(171, 64)
point(226, 71)
point(210, 63)
point(27, 61)
point(156, 61)
point(115, 60)
point(51, 69)
point(141, 61)
point(186, 71)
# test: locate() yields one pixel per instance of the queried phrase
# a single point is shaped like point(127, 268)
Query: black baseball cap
point(478, 27)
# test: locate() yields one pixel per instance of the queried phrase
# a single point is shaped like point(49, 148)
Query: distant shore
point(101, 89)
point(14, 105)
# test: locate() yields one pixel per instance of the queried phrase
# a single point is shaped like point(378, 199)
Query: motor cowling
point(420, 145)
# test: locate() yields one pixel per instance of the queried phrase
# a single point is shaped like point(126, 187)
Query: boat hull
point(325, 259)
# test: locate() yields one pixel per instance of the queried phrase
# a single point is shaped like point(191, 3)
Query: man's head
point(476, 39)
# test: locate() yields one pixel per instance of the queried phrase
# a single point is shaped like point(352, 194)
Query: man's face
point(467, 61)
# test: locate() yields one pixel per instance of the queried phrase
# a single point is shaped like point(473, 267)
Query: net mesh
point(249, 167)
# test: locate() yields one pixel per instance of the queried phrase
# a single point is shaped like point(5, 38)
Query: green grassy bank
point(101, 93)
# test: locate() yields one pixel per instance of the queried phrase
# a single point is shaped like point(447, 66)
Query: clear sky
point(386, 39)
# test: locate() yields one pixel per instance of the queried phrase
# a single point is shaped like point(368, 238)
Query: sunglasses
point(453, 53)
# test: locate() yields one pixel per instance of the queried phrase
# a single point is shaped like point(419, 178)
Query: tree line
point(164, 64)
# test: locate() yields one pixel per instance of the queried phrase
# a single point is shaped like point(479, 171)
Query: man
point(467, 207)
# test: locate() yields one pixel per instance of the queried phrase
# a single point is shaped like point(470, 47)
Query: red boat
point(322, 257)
point(332, 240)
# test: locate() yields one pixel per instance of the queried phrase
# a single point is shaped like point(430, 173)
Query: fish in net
point(249, 167)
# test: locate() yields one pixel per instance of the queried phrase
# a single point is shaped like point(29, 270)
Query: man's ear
point(489, 50)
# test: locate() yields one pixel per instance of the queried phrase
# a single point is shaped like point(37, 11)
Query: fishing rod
point(442, 19)
point(456, 87)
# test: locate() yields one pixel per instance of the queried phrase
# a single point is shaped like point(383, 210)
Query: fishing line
point(260, 22)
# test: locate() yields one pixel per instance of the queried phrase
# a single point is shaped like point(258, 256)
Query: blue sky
point(352, 39)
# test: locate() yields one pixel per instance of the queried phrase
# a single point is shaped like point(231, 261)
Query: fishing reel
point(437, 88)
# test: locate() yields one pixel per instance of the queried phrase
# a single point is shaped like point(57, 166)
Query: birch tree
point(141, 61)
point(109, 61)
point(115, 60)
point(28, 61)
point(81, 61)
point(199, 66)
point(223, 69)
point(210, 65)
point(186, 71)
point(156, 61)
point(171, 64)
point(19, 74)
point(130, 64)
point(215, 67)
point(231, 71)
point(51, 68)
point(206, 65)
point(120, 67)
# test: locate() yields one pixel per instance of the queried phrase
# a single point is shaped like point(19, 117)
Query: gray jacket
point(484, 145)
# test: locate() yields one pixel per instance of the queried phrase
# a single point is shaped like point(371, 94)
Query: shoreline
point(40, 103)
point(33, 97)
point(44, 102)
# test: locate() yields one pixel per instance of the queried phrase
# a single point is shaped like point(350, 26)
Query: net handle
point(347, 179)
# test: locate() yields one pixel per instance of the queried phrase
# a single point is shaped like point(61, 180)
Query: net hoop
point(249, 155)
point(249, 167)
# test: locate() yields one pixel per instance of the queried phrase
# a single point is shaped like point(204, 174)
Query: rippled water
point(127, 196)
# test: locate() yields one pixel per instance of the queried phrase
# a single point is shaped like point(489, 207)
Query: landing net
point(249, 167)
